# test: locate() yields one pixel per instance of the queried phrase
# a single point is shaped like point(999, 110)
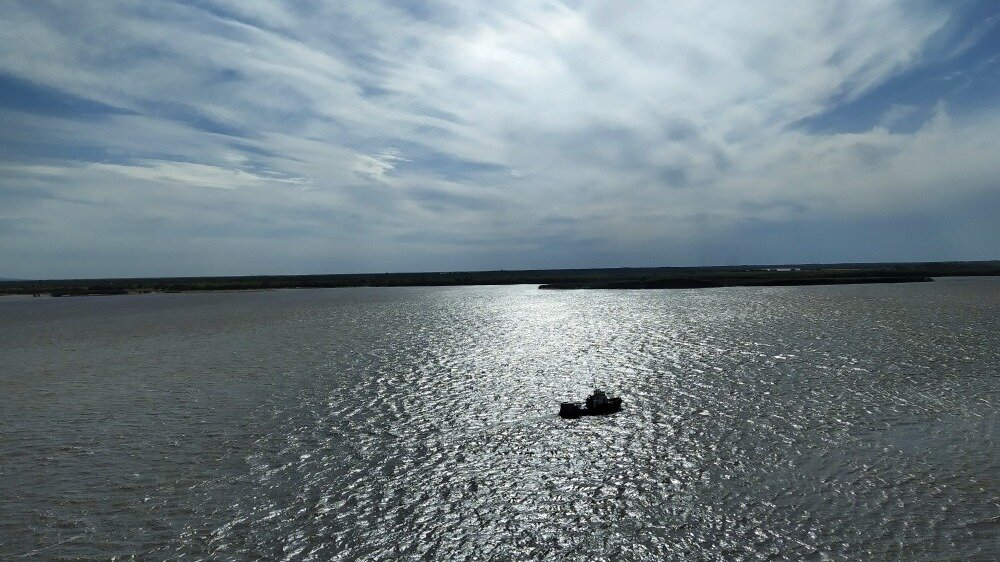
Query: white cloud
point(896, 113)
point(376, 167)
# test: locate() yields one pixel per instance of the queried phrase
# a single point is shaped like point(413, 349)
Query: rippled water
point(849, 422)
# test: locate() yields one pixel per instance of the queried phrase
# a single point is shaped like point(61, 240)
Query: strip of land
point(704, 283)
point(610, 278)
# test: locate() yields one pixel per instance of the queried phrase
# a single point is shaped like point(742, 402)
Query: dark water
point(845, 423)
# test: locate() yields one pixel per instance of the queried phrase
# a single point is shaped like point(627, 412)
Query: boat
point(597, 404)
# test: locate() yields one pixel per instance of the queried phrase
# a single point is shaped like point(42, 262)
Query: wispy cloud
point(376, 167)
point(896, 113)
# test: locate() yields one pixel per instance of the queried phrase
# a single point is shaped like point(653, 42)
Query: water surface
point(844, 422)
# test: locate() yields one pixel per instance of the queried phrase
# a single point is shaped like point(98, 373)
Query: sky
point(237, 137)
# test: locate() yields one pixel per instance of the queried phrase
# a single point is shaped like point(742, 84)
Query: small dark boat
point(598, 404)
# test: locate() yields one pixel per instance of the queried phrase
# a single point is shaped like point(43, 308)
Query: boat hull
point(573, 410)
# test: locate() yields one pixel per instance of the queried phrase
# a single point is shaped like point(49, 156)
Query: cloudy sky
point(213, 137)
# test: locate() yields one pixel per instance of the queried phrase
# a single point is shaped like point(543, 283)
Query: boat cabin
point(598, 399)
point(597, 404)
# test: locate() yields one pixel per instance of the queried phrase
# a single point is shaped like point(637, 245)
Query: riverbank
point(710, 283)
point(607, 278)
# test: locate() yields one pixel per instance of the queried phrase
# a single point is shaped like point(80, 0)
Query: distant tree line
point(652, 277)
